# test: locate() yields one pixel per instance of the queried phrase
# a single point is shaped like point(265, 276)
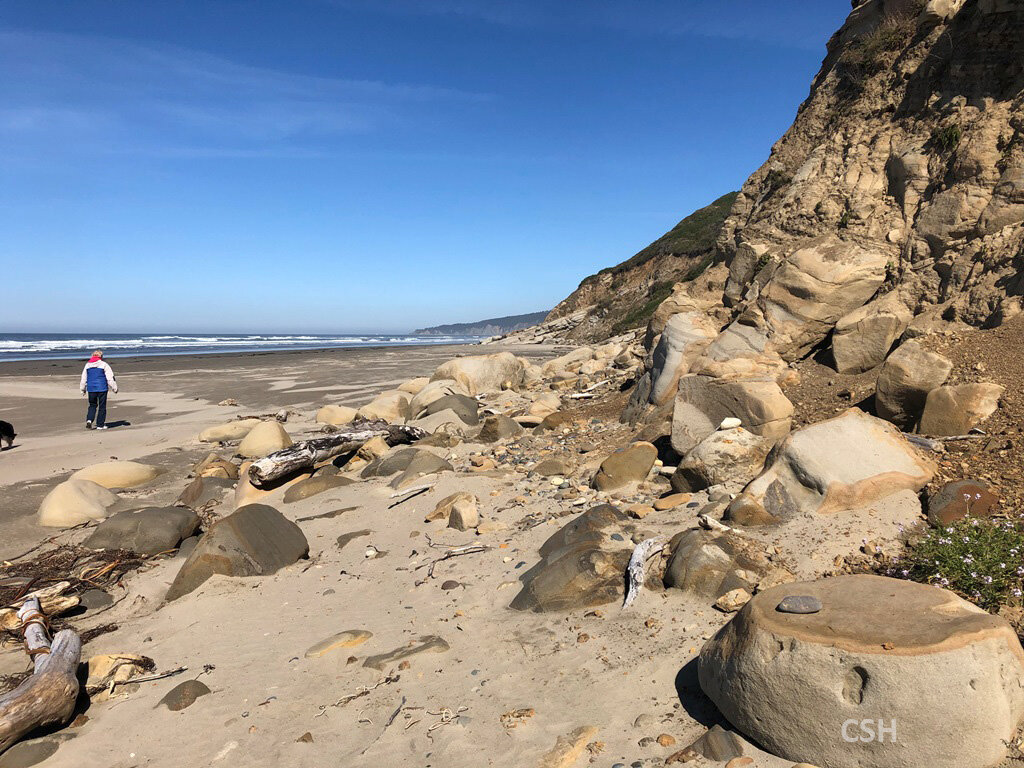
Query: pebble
point(183, 695)
point(671, 501)
point(450, 584)
point(799, 604)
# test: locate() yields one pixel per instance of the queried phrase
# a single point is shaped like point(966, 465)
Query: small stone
point(306, 738)
point(671, 501)
point(450, 584)
point(799, 604)
point(739, 762)
point(183, 695)
point(730, 423)
point(733, 600)
point(346, 639)
point(666, 740)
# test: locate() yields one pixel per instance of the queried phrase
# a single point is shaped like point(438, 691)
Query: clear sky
point(353, 165)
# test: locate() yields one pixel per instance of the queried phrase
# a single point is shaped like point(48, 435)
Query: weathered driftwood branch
point(936, 444)
point(48, 696)
point(311, 452)
point(50, 600)
point(645, 550)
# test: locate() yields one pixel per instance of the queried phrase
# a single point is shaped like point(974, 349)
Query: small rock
point(730, 422)
point(450, 584)
point(799, 604)
point(306, 738)
point(183, 695)
point(666, 740)
point(671, 501)
point(733, 600)
point(346, 639)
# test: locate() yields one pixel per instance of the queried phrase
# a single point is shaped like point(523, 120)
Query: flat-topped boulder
point(939, 670)
point(336, 415)
point(118, 474)
point(252, 541)
point(484, 373)
point(842, 463)
point(393, 406)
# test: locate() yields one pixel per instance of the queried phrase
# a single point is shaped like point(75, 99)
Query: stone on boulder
point(729, 457)
point(941, 671)
point(843, 463)
point(264, 439)
point(863, 338)
point(215, 466)
point(118, 474)
point(905, 380)
point(336, 415)
point(393, 406)
point(233, 430)
point(627, 465)
point(252, 541)
point(956, 410)
point(149, 531)
point(580, 566)
point(484, 373)
point(815, 287)
point(74, 502)
point(497, 428)
point(684, 338)
point(703, 402)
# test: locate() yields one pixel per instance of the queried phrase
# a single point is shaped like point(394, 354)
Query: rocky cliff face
point(623, 298)
point(906, 162)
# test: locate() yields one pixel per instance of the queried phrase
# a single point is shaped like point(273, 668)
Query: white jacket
point(107, 372)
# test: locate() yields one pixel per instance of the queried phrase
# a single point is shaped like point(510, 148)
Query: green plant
point(979, 559)
point(844, 220)
point(775, 179)
point(873, 52)
point(762, 262)
point(639, 315)
point(947, 139)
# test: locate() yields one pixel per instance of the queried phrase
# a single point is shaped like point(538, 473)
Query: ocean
point(58, 346)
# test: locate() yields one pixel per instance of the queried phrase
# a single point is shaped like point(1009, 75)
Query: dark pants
point(97, 408)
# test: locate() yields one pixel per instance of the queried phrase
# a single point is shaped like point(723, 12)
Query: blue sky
point(333, 165)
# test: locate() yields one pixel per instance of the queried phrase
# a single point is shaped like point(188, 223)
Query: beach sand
point(502, 689)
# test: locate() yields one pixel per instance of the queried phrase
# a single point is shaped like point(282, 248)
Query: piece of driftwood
point(643, 552)
point(309, 453)
point(710, 524)
point(52, 601)
point(48, 696)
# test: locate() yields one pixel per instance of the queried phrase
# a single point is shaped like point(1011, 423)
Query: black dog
point(6, 434)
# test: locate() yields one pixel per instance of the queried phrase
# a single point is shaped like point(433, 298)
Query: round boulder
point(118, 474)
point(336, 415)
point(264, 439)
point(74, 502)
point(938, 674)
point(233, 430)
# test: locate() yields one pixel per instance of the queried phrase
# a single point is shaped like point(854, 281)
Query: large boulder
point(336, 415)
point(581, 565)
point(703, 402)
point(435, 390)
point(904, 381)
point(709, 564)
point(422, 464)
point(497, 428)
point(570, 362)
point(484, 373)
point(233, 430)
point(958, 409)
point(938, 670)
point(863, 338)
point(118, 474)
point(846, 462)
point(465, 407)
point(74, 502)
point(149, 531)
point(815, 287)
point(392, 406)
point(627, 465)
point(265, 438)
point(252, 541)
point(311, 486)
point(684, 338)
point(729, 457)
point(395, 460)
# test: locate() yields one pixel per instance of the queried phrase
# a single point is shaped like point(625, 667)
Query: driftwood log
point(48, 696)
point(309, 453)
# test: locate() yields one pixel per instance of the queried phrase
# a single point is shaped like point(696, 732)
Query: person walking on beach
point(97, 379)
